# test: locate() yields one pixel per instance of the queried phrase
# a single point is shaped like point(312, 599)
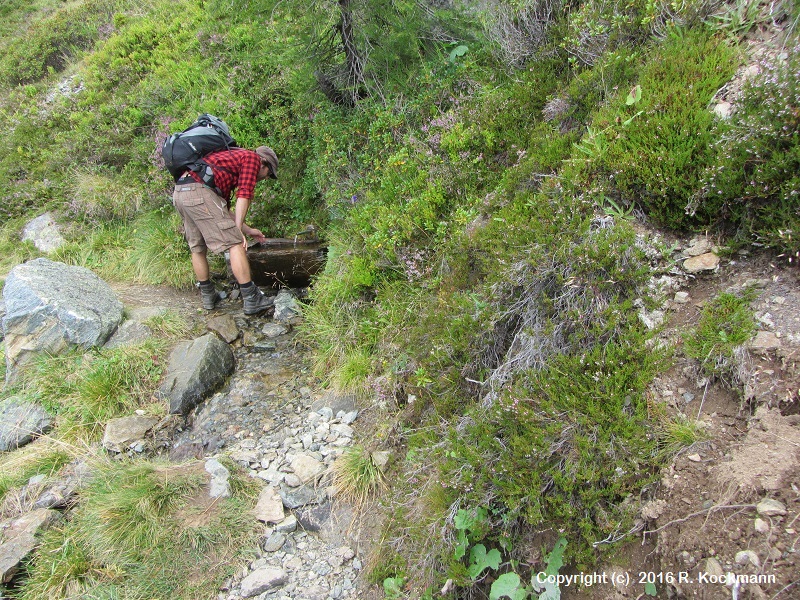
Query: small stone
point(224, 326)
point(769, 507)
point(292, 480)
point(681, 298)
point(274, 542)
point(695, 458)
point(761, 526)
point(349, 417)
point(747, 556)
point(288, 525)
point(704, 262)
point(713, 567)
point(273, 330)
point(269, 507)
point(261, 580)
point(219, 486)
point(764, 340)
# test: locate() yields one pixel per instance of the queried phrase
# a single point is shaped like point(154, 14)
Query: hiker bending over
point(210, 225)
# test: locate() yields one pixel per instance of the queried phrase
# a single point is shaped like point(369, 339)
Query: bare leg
point(200, 266)
point(239, 263)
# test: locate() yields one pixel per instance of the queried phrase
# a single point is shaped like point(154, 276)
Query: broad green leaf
point(508, 585)
point(650, 588)
point(634, 96)
point(480, 560)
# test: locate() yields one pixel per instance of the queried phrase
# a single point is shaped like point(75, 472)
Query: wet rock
point(286, 307)
point(261, 580)
point(224, 326)
point(704, 262)
point(120, 433)
point(273, 330)
point(52, 307)
point(20, 421)
point(196, 369)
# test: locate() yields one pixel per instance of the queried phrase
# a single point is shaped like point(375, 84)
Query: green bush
point(653, 153)
point(753, 186)
point(725, 325)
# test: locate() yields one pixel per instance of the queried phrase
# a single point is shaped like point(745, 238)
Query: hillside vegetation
point(478, 169)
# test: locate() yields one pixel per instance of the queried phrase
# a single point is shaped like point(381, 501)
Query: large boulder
point(196, 369)
point(51, 307)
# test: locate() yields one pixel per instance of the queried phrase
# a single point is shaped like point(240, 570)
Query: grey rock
point(52, 307)
point(129, 334)
point(713, 567)
point(313, 518)
point(300, 496)
point(747, 557)
point(286, 307)
point(335, 402)
point(307, 468)
point(224, 326)
point(288, 525)
point(196, 369)
point(19, 539)
point(220, 479)
point(274, 542)
point(261, 580)
point(769, 507)
point(764, 340)
point(269, 507)
point(273, 330)
point(349, 418)
point(120, 433)
point(21, 421)
point(43, 232)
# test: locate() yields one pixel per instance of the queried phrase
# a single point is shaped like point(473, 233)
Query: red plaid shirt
point(239, 170)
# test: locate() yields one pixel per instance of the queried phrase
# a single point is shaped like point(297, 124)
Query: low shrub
point(726, 324)
point(753, 186)
point(653, 153)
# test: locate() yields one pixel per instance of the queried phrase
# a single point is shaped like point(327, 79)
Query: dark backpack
point(184, 151)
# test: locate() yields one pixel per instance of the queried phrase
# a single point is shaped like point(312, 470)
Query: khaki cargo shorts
point(207, 222)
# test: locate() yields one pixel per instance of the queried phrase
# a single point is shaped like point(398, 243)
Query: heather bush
point(753, 186)
point(653, 153)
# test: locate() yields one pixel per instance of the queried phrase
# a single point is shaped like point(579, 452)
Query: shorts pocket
point(223, 225)
point(191, 201)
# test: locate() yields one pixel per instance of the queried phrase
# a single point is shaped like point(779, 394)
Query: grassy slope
point(459, 202)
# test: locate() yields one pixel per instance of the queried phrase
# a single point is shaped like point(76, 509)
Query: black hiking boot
point(255, 301)
point(209, 296)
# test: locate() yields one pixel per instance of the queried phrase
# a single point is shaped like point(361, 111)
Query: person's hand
point(244, 242)
point(254, 233)
point(258, 236)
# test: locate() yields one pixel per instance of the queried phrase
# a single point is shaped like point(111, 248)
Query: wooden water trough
point(286, 262)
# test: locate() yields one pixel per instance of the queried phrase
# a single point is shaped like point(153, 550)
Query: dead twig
point(697, 514)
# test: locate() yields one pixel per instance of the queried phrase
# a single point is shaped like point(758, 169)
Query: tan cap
point(268, 156)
